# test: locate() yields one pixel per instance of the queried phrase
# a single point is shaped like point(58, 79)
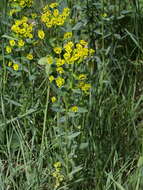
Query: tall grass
point(100, 148)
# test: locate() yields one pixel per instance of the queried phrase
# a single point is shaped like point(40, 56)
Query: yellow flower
point(22, 4)
point(53, 99)
point(60, 62)
point(50, 60)
point(33, 15)
point(8, 49)
point(21, 43)
point(82, 77)
point(10, 63)
point(67, 56)
point(60, 82)
point(41, 34)
point(57, 50)
point(86, 87)
point(91, 51)
point(104, 15)
point(56, 12)
point(66, 12)
point(57, 165)
point(74, 109)
point(51, 78)
point(53, 5)
point(29, 56)
point(60, 70)
point(83, 42)
point(15, 66)
point(12, 42)
point(67, 35)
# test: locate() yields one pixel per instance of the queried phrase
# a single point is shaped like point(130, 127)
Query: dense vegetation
point(71, 95)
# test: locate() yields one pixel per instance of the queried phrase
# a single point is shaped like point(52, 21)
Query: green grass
point(101, 147)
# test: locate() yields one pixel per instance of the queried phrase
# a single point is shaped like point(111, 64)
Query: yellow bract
point(74, 109)
point(41, 34)
point(60, 81)
point(51, 78)
point(23, 28)
point(29, 56)
point(53, 99)
point(57, 50)
point(15, 66)
point(68, 35)
point(51, 15)
point(12, 42)
point(8, 49)
point(21, 43)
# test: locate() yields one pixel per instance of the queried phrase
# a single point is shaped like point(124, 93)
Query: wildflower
point(104, 15)
point(67, 56)
point(85, 87)
point(53, 5)
point(91, 51)
point(60, 82)
point(57, 165)
point(12, 42)
point(33, 15)
point(50, 60)
point(41, 34)
point(82, 77)
point(51, 78)
point(21, 43)
point(74, 109)
point(29, 56)
point(68, 35)
point(53, 99)
point(57, 50)
point(60, 62)
point(15, 66)
point(56, 12)
point(60, 70)
point(10, 63)
point(8, 49)
point(83, 42)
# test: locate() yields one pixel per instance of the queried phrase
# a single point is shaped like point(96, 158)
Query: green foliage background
point(101, 148)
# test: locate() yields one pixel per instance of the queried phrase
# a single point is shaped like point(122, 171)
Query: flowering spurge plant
point(29, 29)
point(37, 42)
point(64, 70)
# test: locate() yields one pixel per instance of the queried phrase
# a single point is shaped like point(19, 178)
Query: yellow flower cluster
point(73, 53)
point(15, 66)
point(74, 109)
point(85, 87)
point(51, 15)
point(70, 53)
point(60, 81)
point(57, 174)
point(23, 28)
point(67, 35)
point(21, 3)
point(41, 34)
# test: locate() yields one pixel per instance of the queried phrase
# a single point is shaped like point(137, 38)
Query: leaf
point(83, 145)
point(75, 170)
point(43, 61)
point(140, 162)
point(74, 135)
point(47, 68)
point(12, 102)
point(82, 110)
point(8, 37)
point(132, 36)
point(78, 26)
